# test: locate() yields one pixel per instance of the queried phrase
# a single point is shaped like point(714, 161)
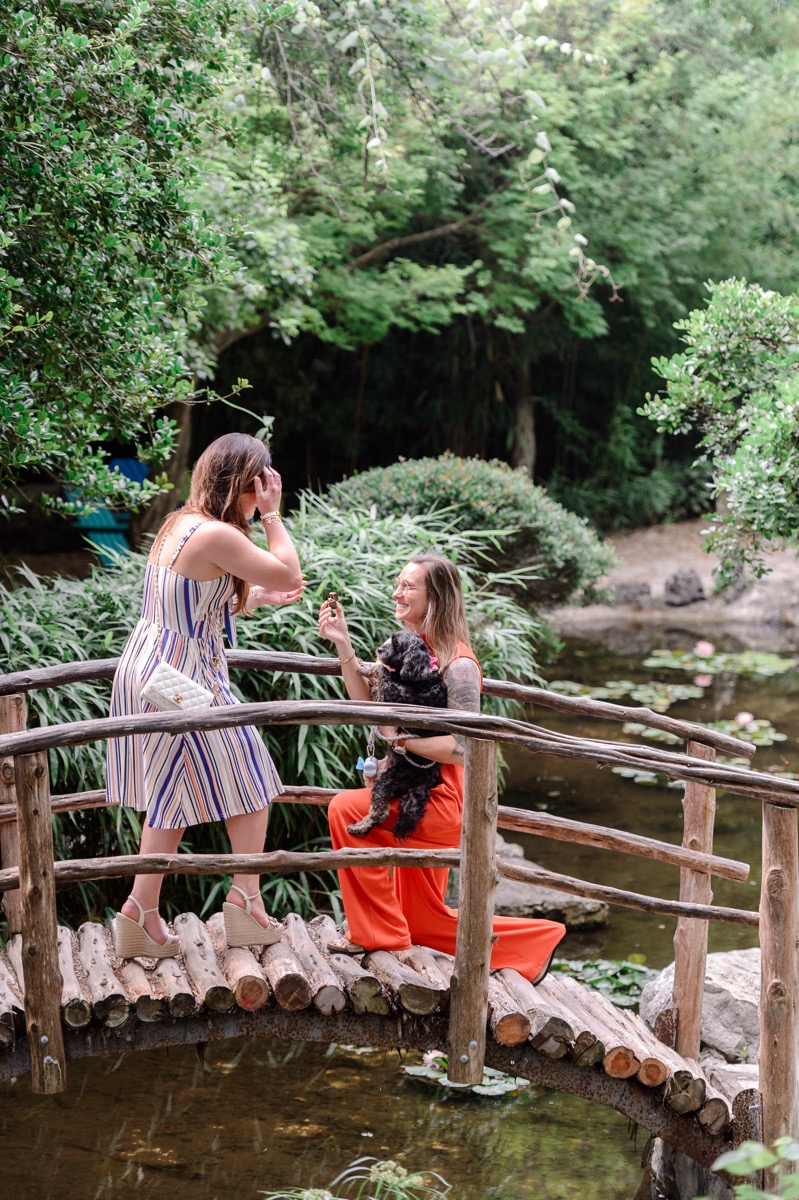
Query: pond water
point(250, 1116)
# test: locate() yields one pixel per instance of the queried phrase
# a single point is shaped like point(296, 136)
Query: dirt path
point(766, 613)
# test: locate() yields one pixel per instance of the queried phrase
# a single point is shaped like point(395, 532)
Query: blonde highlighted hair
point(444, 622)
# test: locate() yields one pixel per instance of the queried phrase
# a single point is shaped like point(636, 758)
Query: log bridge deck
point(79, 1000)
point(559, 1033)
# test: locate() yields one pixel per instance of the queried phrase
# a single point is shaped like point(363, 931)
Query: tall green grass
point(356, 552)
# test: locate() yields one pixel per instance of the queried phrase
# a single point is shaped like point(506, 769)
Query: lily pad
point(744, 662)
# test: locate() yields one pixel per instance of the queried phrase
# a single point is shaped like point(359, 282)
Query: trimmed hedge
point(564, 550)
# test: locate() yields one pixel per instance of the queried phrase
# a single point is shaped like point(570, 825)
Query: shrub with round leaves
point(562, 550)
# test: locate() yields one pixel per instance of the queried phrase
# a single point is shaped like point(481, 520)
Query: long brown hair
point(444, 622)
point(221, 475)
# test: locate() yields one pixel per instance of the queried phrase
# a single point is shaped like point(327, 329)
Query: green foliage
point(104, 107)
point(357, 553)
point(495, 1084)
point(373, 1179)
point(622, 982)
point(751, 1157)
point(737, 386)
point(464, 169)
point(562, 549)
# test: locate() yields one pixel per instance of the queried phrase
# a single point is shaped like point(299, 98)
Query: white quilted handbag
point(169, 689)
point(172, 691)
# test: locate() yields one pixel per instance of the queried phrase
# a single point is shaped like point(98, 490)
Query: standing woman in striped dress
point(203, 570)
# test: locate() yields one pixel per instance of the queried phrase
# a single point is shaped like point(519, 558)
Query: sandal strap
point(234, 887)
point(142, 911)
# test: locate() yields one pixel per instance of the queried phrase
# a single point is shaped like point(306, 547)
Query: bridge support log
point(12, 720)
point(779, 1014)
point(40, 937)
point(478, 881)
point(690, 937)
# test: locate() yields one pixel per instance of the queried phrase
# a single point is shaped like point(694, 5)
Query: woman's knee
point(346, 808)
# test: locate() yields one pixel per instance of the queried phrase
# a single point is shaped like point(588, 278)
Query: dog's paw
point(361, 828)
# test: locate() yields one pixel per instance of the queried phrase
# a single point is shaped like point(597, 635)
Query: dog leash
point(369, 764)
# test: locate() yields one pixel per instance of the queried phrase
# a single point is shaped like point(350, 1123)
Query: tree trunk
point(523, 452)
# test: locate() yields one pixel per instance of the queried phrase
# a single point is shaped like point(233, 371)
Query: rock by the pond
point(513, 899)
point(683, 587)
point(729, 1009)
point(639, 595)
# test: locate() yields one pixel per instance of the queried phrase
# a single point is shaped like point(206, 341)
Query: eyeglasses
point(404, 588)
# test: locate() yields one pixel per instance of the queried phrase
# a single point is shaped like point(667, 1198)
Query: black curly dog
point(405, 676)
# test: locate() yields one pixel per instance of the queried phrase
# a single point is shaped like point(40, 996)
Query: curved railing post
point(478, 881)
point(779, 977)
point(690, 937)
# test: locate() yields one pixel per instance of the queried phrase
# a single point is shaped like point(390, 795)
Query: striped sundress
point(187, 778)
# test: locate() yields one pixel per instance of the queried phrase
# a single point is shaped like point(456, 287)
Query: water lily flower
point(704, 649)
point(703, 680)
point(431, 1057)
point(743, 718)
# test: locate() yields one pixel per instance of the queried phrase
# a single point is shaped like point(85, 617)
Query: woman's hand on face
point(262, 595)
point(268, 491)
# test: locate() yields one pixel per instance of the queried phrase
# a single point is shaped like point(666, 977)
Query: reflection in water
point(255, 1116)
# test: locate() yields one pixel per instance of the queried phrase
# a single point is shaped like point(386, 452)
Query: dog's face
point(407, 656)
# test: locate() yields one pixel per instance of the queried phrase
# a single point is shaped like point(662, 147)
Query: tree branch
point(412, 239)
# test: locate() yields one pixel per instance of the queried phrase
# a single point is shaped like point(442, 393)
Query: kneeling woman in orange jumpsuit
point(392, 910)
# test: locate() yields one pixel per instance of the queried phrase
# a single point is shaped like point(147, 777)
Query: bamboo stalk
point(690, 937)
point(779, 1015)
point(12, 720)
point(478, 881)
point(40, 932)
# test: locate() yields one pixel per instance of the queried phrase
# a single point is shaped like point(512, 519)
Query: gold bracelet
point(344, 661)
point(270, 517)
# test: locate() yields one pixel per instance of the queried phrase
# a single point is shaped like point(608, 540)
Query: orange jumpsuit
point(392, 910)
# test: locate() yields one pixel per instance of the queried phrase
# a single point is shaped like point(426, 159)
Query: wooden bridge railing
point(777, 920)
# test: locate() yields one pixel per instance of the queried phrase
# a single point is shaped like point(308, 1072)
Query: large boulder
point(513, 899)
point(637, 593)
point(683, 587)
point(730, 1024)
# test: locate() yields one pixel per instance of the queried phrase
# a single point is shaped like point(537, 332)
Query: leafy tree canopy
point(103, 105)
point(468, 170)
point(737, 385)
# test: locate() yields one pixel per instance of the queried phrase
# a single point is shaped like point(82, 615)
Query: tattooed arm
point(463, 692)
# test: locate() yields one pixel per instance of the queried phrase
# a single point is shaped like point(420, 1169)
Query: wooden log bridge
point(64, 995)
point(297, 989)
